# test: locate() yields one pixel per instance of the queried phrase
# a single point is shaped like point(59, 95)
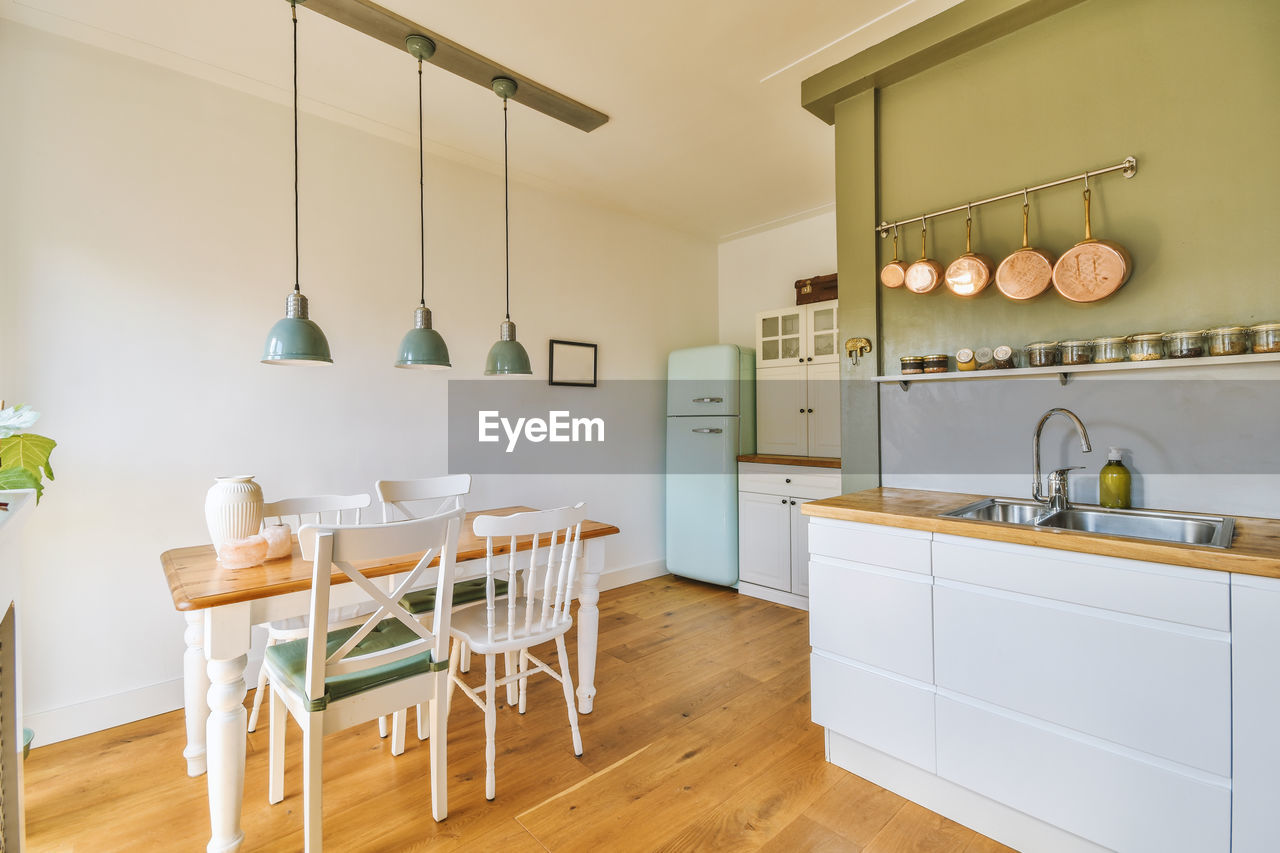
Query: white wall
point(146, 247)
point(759, 271)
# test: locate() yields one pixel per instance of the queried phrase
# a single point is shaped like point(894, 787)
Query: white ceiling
point(706, 131)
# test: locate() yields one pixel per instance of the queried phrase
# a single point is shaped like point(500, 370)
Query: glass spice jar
point(1147, 346)
point(1042, 354)
point(1189, 344)
point(985, 358)
point(1228, 340)
point(1003, 356)
point(1266, 337)
point(913, 364)
point(1110, 350)
point(965, 360)
point(936, 363)
point(1077, 352)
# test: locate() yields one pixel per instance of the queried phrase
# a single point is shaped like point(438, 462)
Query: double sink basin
point(1213, 531)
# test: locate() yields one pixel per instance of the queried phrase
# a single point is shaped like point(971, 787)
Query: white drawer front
point(890, 547)
point(1165, 691)
point(876, 616)
point(1172, 593)
point(794, 481)
point(885, 714)
point(1107, 797)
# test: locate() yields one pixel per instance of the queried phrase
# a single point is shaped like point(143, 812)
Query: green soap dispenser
point(1113, 482)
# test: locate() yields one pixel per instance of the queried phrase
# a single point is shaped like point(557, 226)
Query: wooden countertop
point(805, 461)
point(1255, 550)
point(197, 581)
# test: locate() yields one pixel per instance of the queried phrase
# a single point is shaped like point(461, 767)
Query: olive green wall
point(1191, 89)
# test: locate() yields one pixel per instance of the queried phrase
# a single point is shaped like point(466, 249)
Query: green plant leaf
point(21, 478)
point(29, 451)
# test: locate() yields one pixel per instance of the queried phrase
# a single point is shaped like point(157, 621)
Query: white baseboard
point(117, 709)
point(105, 712)
point(777, 596)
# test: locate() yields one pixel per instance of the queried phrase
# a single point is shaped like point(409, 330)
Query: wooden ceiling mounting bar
point(386, 26)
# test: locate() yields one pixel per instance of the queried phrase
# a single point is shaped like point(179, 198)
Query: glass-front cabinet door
point(823, 336)
point(781, 337)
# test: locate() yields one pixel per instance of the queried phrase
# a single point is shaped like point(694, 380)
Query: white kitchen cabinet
point(773, 549)
point(1050, 695)
point(1255, 707)
point(798, 410)
point(797, 335)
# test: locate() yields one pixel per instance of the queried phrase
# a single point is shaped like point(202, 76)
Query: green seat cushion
point(464, 592)
point(289, 660)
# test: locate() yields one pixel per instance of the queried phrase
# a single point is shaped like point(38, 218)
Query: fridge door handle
point(708, 399)
point(708, 430)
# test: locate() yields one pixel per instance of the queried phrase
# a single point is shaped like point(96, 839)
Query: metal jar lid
point(1041, 345)
point(1226, 330)
point(1118, 339)
point(1076, 344)
point(1265, 327)
point(964, 355)
point(1003, 353)
point(1190, 334)
point(1147, 336)
point(912, 359)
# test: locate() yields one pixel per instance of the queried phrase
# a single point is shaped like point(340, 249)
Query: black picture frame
point(571, 368)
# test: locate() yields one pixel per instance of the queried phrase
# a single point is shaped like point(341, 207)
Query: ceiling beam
point(386, 26)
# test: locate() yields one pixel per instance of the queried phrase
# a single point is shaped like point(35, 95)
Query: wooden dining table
point(222, 606)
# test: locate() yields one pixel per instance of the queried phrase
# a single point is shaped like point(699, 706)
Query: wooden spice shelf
point(1064, 371)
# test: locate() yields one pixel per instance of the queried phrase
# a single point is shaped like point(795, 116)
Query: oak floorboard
point(701, 734)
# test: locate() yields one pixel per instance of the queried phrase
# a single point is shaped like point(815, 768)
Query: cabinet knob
point(784, 500)
point(788, 479)
point(801, 360)
point(802, 411)
point(811, 411)
point(810, 358)
point(793, 503)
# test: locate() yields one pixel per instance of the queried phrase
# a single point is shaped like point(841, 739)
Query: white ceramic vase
point(233, 509)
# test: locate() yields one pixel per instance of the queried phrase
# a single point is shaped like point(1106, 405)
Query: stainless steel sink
point(1214, 531)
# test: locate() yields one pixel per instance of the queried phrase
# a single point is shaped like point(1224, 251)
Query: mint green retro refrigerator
point(711, 418)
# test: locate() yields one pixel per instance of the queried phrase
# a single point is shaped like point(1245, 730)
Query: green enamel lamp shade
point(295, 339)
point(422, 346)
point(507, 355)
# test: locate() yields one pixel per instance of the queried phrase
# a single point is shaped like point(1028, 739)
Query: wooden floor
point(700, 740)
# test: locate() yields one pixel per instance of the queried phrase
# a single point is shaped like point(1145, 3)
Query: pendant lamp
point(296, 339)
point(422, 347)
point(507, 355)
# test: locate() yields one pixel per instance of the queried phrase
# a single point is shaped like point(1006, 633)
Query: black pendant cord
point(422, 204)
point(506, 203)
point(297, 279)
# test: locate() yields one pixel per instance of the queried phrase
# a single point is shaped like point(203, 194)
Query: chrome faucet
point(1057, 499)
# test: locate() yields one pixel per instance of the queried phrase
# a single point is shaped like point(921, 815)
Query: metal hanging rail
point(1129, 167)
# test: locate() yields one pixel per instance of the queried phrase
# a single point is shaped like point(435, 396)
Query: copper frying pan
point(1091, 269)
point(925, 274)
point(1028, 272)
point(969, 274)
point(894, 272)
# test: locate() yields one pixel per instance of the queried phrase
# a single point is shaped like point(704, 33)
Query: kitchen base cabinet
point(1105, 793)
point(773, 541)
point(1062, 700)
point(1255, 714)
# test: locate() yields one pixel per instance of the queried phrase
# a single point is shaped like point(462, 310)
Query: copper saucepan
point(1091, 269)
point(969, 274)
point(894, 272)
point(925, 274)
point(1027, 272)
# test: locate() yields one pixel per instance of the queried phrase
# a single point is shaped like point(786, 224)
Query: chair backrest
point(315, 509)
point(549, 576)
point(447, 491)
point(346, 548)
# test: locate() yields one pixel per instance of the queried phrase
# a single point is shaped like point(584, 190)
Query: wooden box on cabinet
point(818, 288)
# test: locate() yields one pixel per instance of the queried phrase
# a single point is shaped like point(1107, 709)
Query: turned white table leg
point(226, 647)
point(195, 690)
point(589, 626)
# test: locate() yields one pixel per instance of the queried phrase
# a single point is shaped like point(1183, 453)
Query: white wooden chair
point(416, 499)
point(317, 509)
point(517, 624)
point(333, 680)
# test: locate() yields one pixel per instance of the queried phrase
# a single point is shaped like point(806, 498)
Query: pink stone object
point(279, 540)
point(243, 553)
